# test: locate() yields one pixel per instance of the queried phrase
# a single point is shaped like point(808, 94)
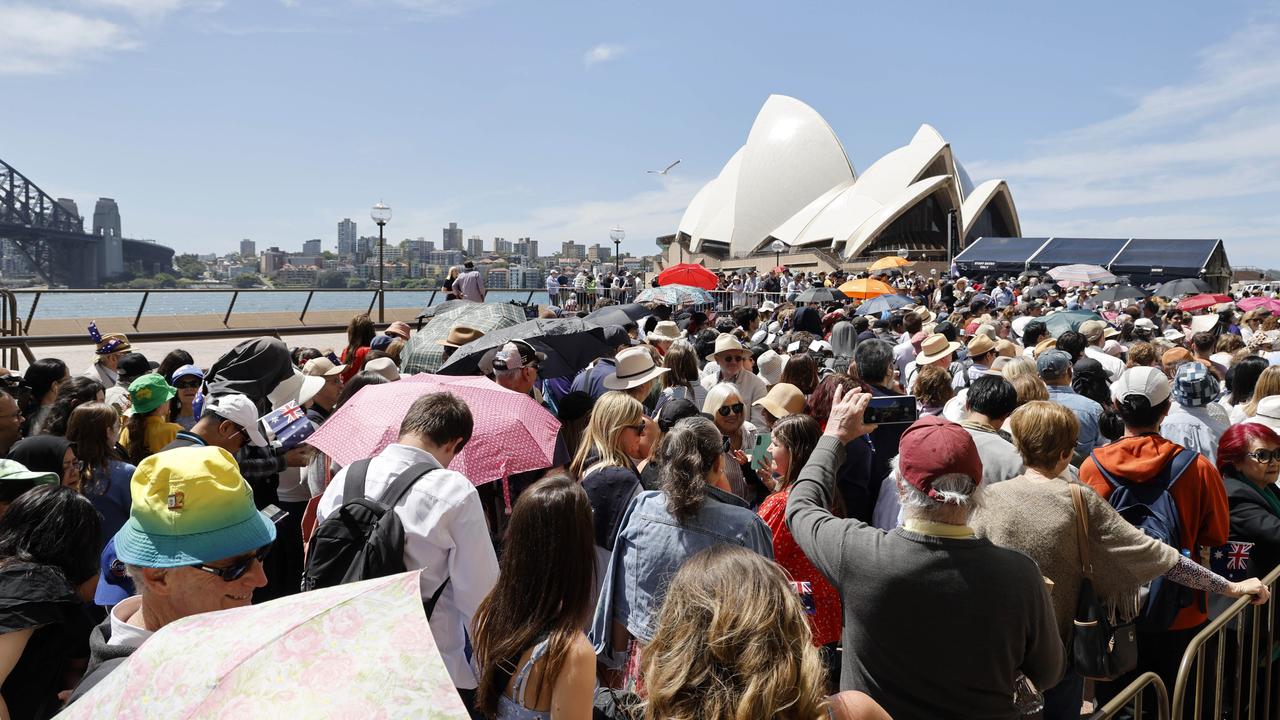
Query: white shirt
point(1194, 428)
point(445, 535)
point(903, 355)
point(122, 633)
point(1113, 365)
point(102, 374)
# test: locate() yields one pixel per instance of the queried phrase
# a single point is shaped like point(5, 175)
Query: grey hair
point(687, 453)
point(955, 490)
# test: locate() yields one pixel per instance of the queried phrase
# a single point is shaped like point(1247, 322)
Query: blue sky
point(213, 120)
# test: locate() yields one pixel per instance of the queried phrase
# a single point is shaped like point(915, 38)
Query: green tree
point(356, 283)
point(245, 281)
point(141, 284)
point(165, 280)
point(189, 266)
point(331, 279)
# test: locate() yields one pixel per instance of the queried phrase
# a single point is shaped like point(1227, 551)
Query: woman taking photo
point(660, 530)
point(533, 658)
point(725, 407)
point(732, 642)
point(790, 445)
point(49, 547)
point(50, 454)
point(149, 429)
point(94, 430)
point(72, 393)
point(360, 332)
point(188, 380)
point(605, 462)
point(1035, 513)
point(43, 378)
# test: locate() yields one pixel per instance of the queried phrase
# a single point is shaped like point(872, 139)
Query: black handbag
point(1100, 649)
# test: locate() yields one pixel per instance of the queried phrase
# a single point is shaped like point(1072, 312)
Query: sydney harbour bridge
point(50, 235)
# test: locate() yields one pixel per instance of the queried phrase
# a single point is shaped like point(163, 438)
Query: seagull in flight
point(664, 170)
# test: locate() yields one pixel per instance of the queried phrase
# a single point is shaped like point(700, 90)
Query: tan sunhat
point(460, 335)
point(322, 366)
point(934, 348)
point(1006, 348)
point(782, 400)
point(634, 368)
point(1045, 344)
point(925, 315)
point(727, 343)
point(980, 345)
point(665, 331)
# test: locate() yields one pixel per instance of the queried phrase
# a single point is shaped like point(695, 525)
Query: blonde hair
point(1042, 431)
point(717, 395)
point(613, 412)
point(1268, 384)
point(733, 643)
point(1017, 367)
point(1029, 388)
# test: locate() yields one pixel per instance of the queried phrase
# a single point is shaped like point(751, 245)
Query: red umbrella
point(688, 274)
point(779, 269)
point(512, 433)
point(1202, 301)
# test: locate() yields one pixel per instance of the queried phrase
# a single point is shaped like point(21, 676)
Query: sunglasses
point(734, 358)
point(727, 410)
point(187, 384)
point(236, 570)
point(1266, 456)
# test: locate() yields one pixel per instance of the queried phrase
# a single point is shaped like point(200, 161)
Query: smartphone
point(760, 452)
point(891, 410)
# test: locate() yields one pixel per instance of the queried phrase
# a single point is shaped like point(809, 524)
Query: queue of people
point(790, 510)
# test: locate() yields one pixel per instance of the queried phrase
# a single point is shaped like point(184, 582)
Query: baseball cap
point(16, 479)
point(933, 447)
point(1147, 382)
point(1193, 386)
point(615, 336)
point(381, 342)
point(149, 392)
point(322, 367)
point(517, 354)
point(240, 410)
point(1145, 324)
point(673, 411)
point(1092, 329)
point(187, 371)
point(134, 364)
point(1053, 363)
point(190, 505)
point(114, 584)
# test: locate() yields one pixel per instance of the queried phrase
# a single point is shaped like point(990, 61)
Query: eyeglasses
point(237, 569)
point(1266, 456)
point(77, 466)
point(733, 358)
point(727, 410)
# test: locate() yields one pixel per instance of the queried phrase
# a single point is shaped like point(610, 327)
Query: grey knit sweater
point(1035, 515)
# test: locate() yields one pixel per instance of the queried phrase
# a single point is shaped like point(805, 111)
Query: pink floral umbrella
point(512, 433)
point(1252, 303)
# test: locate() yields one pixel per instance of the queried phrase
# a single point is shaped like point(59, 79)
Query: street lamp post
point(616, 235)
point(381, 214)
point(778, 247)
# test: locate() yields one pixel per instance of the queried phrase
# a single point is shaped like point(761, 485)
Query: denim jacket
point(651, 546)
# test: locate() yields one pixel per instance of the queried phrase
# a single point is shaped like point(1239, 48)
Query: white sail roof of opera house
point(792, 181)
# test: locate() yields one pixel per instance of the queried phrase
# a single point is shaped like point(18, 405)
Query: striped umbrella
point(424, 353)
point(676, 295)
point(1076, 275)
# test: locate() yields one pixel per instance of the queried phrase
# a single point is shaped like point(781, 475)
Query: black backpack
point(364, 539)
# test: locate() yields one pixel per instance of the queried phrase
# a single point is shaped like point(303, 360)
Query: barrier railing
point(1132, 697)
point(1250, 663)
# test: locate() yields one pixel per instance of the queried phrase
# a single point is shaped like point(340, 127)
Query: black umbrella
point(821, 295)
point(1182, 286)
point(570, 344)
point(1036, 291)
point(1120, 292)
point(619, 314)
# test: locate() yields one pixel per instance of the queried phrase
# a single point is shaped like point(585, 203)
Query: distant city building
point(445, 258)
point(501, 246)
point(271, 262)
point(346, 237)
point(599, 253)
point(416, 251)
point(248, 249)
point(452, 237)
point(106, 225)
point(573, 251)
point(497, 279)
point(363, 247)
point(526, 248)
point(296, 276)
point(475, 246)
point(311, 247)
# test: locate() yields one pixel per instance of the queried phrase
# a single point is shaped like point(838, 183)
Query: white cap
point(240, 410)
point(1145, 323)
point(1148, 382)
point(1175, 335)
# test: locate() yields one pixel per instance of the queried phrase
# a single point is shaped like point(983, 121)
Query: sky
point(214, 120)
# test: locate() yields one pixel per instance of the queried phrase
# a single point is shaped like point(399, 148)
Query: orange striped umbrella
point(866, 288)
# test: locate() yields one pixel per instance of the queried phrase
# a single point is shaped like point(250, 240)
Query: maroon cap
point(933, 447)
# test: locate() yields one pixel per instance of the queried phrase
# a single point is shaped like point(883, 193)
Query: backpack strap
point(1106, 474)
point(1179, 464)
point(391, 496)
point(353, 485)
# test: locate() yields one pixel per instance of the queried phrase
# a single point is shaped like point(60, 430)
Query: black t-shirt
point(40, 597)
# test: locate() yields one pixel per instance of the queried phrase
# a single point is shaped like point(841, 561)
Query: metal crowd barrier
point(1132, 697)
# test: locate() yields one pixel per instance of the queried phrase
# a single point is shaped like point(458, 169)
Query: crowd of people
point(732, 526)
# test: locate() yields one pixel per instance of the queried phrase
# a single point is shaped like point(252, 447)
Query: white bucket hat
point(635, 367)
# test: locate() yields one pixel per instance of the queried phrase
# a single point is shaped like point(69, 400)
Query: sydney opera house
point(792, 182)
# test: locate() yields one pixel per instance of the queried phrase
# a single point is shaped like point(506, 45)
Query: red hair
point(1233, 447)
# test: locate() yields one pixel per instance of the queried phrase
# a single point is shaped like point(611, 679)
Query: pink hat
point(399, 329)
point(933, 447)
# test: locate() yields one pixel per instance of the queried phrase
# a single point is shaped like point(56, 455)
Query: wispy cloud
point(438, 8)
point(151, 10)
point(1207, 142)
point(38, 40)
point(602, 53)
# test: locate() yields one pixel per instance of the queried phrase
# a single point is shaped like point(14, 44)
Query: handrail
point(1244, 672)
point(1133, 694)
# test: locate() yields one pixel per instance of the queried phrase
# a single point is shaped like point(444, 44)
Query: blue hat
point(187, 371)
point(381, 342)
point(1193, 386)
point(114, 584)
point(1053, 363)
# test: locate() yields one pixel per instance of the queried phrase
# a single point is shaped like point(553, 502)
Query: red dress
point(827, 618)
point(354, 365)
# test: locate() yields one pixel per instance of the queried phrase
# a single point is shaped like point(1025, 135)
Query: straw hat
point(934, 348)
point(460, 335)
point(980, 345)
point(770, 366)
point(664, 331)
point(726, 343)
point(1045, 344)
point(782, 400)
point(634, 368)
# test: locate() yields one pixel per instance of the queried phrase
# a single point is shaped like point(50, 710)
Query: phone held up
point(891, 410)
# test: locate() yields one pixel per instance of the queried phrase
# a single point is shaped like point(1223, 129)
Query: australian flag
point(1231, 561)
point(289, 425)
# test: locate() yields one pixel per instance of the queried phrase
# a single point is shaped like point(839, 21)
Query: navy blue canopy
point(997, 255)
point(1072, 251)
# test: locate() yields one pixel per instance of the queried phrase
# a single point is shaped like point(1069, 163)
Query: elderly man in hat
point(194, 543)
point(732, 367)
point(931, 583)
point(1097, 332)
point(515, 366)
point(110, 348)
point(458, 336)
point(934, 350)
